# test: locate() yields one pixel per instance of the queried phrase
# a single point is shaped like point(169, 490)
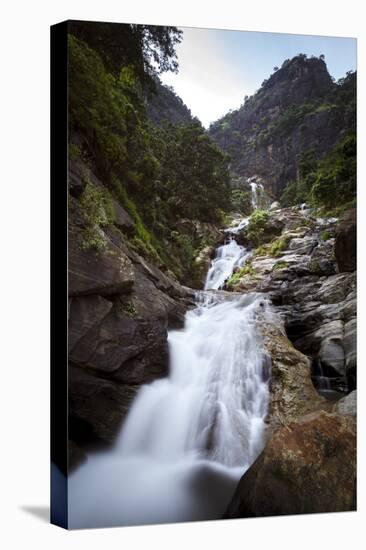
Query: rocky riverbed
point(121, 307)
point(307, 266)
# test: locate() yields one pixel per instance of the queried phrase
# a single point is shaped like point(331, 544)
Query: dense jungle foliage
point(160, 170)
point(329, 183)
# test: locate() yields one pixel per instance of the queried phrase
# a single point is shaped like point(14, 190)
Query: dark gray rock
point(122, 219)
point(345, 243)
point(76, 456)
point(123, 347)
point(105, 272)
point(96, 407)
point(76, 178)
point(85, 312)
point(350, 343)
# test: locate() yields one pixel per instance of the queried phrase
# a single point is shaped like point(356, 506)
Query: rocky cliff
point(120, 308)
point(297, 109)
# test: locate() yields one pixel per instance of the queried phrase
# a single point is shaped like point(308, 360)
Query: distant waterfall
point(255, 193)
point(189, 437)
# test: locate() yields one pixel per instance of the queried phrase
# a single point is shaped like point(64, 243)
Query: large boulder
point(85, 312)
point(345, 244)
point(123, 346)
point(309, 466)
point(292, 393)
point(96, 407)
point(120, 309)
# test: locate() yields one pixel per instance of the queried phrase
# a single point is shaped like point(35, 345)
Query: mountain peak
point(297, 109)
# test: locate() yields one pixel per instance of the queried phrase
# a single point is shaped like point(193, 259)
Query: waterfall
point(228, 256)
point(255, 199)
point(188, 438)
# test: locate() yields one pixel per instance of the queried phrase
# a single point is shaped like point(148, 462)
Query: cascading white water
point(228, 256)
point(189, 437)
point(257, 189)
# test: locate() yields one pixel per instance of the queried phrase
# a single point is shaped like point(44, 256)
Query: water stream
point(188, 438)
point(227, 258)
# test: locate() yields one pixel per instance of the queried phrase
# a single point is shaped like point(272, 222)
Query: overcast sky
point(218, 68)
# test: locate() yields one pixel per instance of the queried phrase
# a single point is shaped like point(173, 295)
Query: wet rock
point(309, 466)
point(292, 393)
point(275, 205)
point(85, 312)
point(202, 264)
point(303, 245)
point(125, 348)
point(350, 348)
point(347, 405)
point(345, 242)
point(331, 354)
point(314, 301)
point(96, 407)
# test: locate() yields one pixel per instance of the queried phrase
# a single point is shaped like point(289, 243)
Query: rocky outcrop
point(297, 109)
point(202, 264)
point(96, 406)
point(346, 243)
point(120, 309)
point(309, 466)
point(309, 462)
point(292, 393)
point(298, 270)
point(107, 272)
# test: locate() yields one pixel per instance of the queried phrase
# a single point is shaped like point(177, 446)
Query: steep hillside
point(297, 110)
point(165, 106)
point(159, 173)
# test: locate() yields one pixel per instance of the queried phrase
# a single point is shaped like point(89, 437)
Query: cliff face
point(165, 106)
point(120, 308)
point(298, 109)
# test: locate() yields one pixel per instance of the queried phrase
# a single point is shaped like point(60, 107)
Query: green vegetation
point(261, 251)
point(280, 265)
point(128, 308)
point(257, 226)
point(329, 183)
point(335, 176)
point(281, 123)
point(325, 235)
point(247, 269)
point(98, 212)
point(241, 201)
point(279, 245)
point(74, 151)
point(158, 173)
point(145, 48)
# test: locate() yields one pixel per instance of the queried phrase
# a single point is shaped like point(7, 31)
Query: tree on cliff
point(146, 48)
